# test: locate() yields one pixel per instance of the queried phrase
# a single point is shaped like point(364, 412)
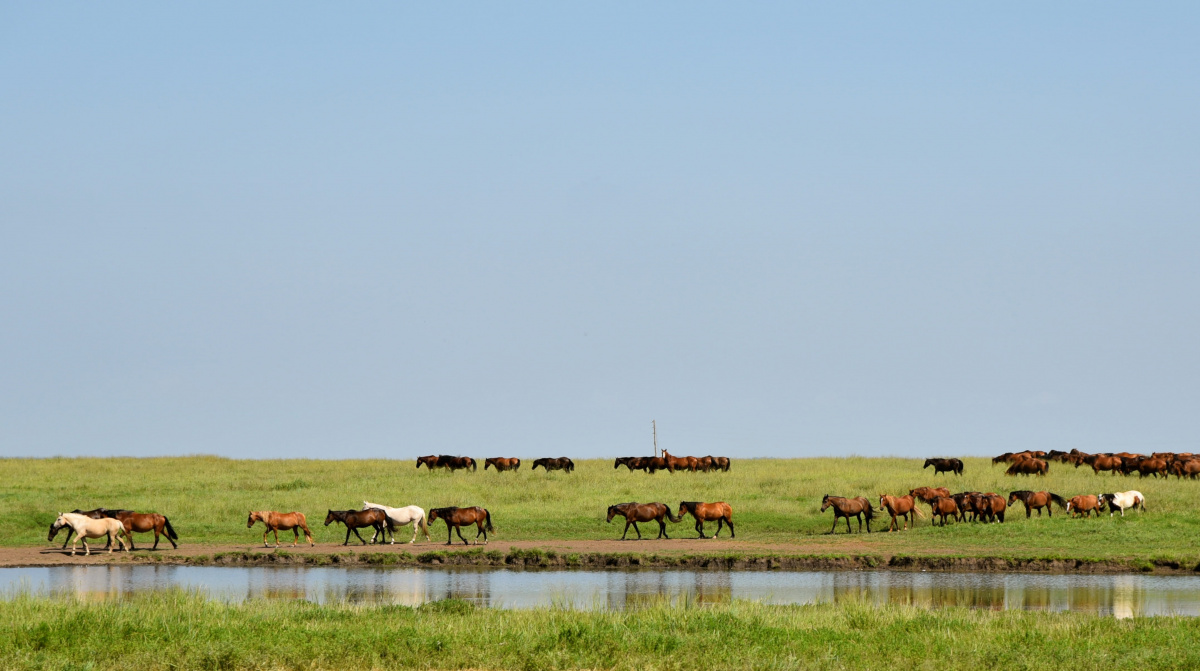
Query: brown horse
point(502, 463)
point(954, 466)
point(721, 463)
point(928, 494)
point(460, 517)
point(274, 521)
point(632, 463)
point(357, 519)
point(857, 507)
point(145, 523)
point(644, 512)
point(675, 463)
point(559, 464)
point(1036, 501)
point(652, 464)
point(990, 506)
point(966, 504)
point(1028, 466)
point(943, 506)
point(1103, 462)
point(430, 461)
point(1083, 505)
point(707, 512)
point(900, 506)
point(446, 461)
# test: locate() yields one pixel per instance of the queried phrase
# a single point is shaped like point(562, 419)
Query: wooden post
point(654, 427)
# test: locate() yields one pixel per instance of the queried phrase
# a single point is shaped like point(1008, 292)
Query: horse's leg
point(700, 527)
point(848, 525)
point(415, 524)
point(729, 523)
point(458, 530)
point(87, 551)
point(70, 532)
point(483, 531)
point(449, 532)
point(627, 523)
point(360, 538)
point(662, 529)
point(296, 535)
point(347, 541)
point(835, 516)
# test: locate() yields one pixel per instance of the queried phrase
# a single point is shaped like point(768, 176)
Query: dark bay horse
point(460, 517)
point(145, 523)
point(502, 463)
point(357, 519)
point(446, 461)
point(900, 506)
point(95, 514)
point(857, 507)
point(954, 466)
point(559, 464)
point(632, 463)
point(943, 506)
point(1028, 466)
point(990, 506)
point(721, 463)
point(707, 512)
point(1037, 501)
point(644, 512)
point(274, 522)
point(430, 461)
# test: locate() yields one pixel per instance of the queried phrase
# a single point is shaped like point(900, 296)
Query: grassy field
point(774, 501)
point(177, 630)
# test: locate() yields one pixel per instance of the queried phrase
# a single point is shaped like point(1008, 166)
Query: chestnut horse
point(675, 463)
point(1106, 463)
point(954, 466)
point(1036, 501)
point(1028, 466)
point(274, 521)
point(1083, 505)
point(707, 512)
point(145, 523)
point(559, 464)
point(943, 506)
point(502, 463)
point(857, 507)
point(991, 506)
point(460, 517)
point(928, 494)
point(900, 506)
point(357, 519)
point(644, 512)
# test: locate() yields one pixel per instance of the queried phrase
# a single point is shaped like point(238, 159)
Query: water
point(1118, 595)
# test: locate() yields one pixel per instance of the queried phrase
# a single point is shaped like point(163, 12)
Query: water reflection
point(1117, 595)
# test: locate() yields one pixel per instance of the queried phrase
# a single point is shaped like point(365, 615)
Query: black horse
point(944, 466)
point(559, 464)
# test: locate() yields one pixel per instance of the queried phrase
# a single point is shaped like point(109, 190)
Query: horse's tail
point(671, 517)
point(487, 516)
point(170, 531)
point(1055, 498)
point(424, 525)
point(918, 511)
point(870, 512)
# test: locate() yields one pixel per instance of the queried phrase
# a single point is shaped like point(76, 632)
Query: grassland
point(774, 501)
point(177, 630)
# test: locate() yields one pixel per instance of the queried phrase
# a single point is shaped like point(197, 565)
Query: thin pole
point(654, 427)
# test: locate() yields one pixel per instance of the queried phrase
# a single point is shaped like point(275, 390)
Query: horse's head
point(927, 463)
point(59, 523)
point(683, 508)
point(251, 519)
point(612, 512)
point(433, 515)
point(825, 503)
point(329, 518)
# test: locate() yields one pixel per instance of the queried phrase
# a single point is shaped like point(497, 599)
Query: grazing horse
point(954, 466)
point(900, 506)
point(707, 512)
point(1083, 505)
point(429, 461)
point(1122, 500)
point(632, 463)
point(1028, 466)
point(145, 523)
point(559, 464)
point(502, 463)
point(356, 519)
point(460, 517)
point(1186, 469)
point(400, 517)
point(943, 506)
point(87, 527)
point(644, 512)
point(274, 521)
point(928, 494)
point(1036, 501)
point(721, 463)
point(857, 507)
point(96, 514)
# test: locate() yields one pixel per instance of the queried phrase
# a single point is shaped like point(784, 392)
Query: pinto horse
point(900, 506)
point(559, 464)
point(707, 512)
point(357, 519)
point(143, 523)
point(954, 466)
point(857, 507)
point(644, 512)
point(502, 463)
point(943, 506)
point(274, 522)
point(89, 527)
point(1083, 505)
point(1122, 500)
point(460, 517)
point(1036, 501)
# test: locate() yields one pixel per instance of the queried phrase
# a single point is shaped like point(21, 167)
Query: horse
point(943, 506)
point(632, 463)
point(1103, 462)
point(644, 512)
point(400, 517)
point(559, 464)
point(1186, 469)
point(928, 494)
point(459, 517)
point(1036, 501)
point(274, 521)
point(954, 466)
point(1152, 466)
point(1122, 500)
point(857, 507)
point(652, 464)
point(1028, 466)
point(356, 519)
point(87, 527)
point(707, 512)
point(705, 464)
point(721, 463)
point(675, 463)
point(429, 461)
point(456, 463)
point(966, 504)
point(1083, 505)
point(991, 506)
point(902, 506)
point(502, 464)
point(96, 514)
point(145, 523)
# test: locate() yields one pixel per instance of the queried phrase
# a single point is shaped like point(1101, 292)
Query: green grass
point(178, 630)
point(774, 500)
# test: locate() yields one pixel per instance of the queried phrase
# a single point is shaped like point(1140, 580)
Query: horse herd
point(667, 462)
point(1158, 464)
point(980, 506)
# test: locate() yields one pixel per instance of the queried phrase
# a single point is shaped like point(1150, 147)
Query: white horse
point(402, 517)
point(86, 527)
point(1122, 500)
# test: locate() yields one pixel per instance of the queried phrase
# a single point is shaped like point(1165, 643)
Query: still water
point(1118, 595)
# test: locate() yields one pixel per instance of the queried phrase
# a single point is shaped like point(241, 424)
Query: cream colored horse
point(86, 527)
point(414, 515)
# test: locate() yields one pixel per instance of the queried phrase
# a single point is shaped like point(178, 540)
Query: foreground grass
point(774, 500)
point(177, 630)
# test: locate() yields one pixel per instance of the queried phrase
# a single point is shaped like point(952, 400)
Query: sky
point(503, 229)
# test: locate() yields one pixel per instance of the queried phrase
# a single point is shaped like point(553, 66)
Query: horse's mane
point(1022, 494)
point(441, 511)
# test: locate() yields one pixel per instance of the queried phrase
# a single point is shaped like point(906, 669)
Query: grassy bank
point(175, 630)
point(774, 501)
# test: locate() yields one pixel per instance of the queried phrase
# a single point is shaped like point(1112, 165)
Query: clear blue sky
point(271, 229)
